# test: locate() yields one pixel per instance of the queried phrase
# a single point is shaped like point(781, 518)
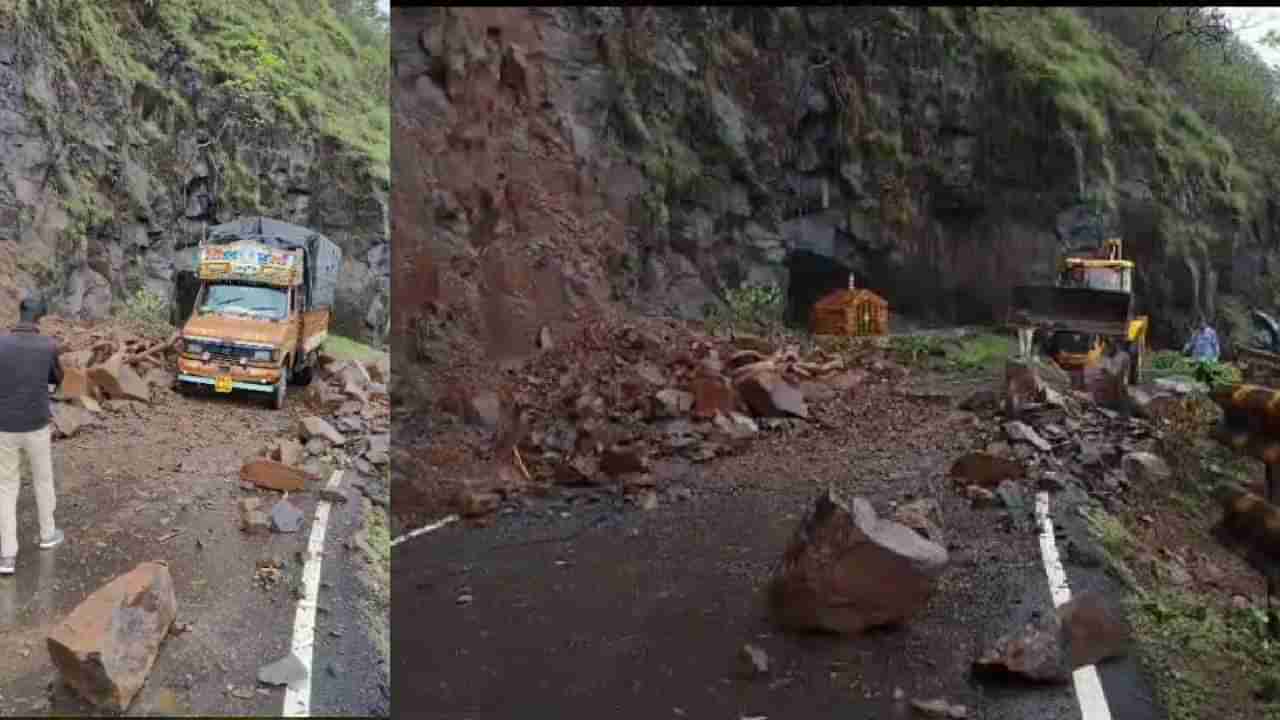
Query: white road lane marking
point(297, 697)
point(1093, 702)
point(423, 530)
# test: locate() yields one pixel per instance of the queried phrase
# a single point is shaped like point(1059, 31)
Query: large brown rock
point(1083, 631)
point(273, 475)
point(120, 381)
point(313, 427)
point(1107, 382)
point(985, 469)
point(1092, 630)
point(769, 395)
point(105, 648)
point(1033, 652)
point(1021, 385)
point(75, 383)
point(847, 570)
point(712, 394)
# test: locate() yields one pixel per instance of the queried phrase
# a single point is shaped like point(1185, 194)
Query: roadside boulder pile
point(351, 430)
point(1054, 438)
point(105, 369)
point(633, 409)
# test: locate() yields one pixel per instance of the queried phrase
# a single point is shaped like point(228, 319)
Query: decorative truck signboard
point(250, 262)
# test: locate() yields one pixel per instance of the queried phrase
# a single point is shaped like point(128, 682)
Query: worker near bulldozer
point(28, 366)
point(1203, 345)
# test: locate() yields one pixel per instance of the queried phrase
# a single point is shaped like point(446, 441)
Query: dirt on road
point(161, 482)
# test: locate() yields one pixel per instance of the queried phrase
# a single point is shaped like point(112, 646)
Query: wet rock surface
point(106, 647)
point(847, 570)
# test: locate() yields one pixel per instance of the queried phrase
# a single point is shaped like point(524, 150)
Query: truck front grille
point(228, 353)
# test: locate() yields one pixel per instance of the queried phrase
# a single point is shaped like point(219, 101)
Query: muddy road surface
point(584, 605)
point(161, 482)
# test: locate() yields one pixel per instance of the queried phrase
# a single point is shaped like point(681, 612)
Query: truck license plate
point(222, 385)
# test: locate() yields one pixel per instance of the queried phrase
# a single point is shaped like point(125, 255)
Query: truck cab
point(258, 314)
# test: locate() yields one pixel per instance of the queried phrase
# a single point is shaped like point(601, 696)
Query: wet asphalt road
point(590, 609)
point(129, 493)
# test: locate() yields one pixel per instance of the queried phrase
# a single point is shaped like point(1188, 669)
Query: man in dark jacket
point(28, 366)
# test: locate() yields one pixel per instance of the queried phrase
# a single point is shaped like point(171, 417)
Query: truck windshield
point(246, 300)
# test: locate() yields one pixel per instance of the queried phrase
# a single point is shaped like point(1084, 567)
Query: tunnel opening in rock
point(812, 276)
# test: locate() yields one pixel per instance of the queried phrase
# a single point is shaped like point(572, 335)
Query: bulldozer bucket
point(1084, 310)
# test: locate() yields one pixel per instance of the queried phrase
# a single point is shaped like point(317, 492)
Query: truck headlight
point(193, 348)
point(264, 355)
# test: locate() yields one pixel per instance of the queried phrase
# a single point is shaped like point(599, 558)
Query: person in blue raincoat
point(1203, 345)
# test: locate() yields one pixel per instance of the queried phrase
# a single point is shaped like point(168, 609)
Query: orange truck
point(256, 308)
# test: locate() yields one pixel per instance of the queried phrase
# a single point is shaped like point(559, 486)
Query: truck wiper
point(227, 301)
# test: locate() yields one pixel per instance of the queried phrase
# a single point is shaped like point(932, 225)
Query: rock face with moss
point(661, 156)
point(131, 127)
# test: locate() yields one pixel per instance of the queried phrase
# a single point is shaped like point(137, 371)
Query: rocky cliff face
point(554, 160)
point(106, 176)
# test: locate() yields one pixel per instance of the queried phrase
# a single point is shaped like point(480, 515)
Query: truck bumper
point(235, 385)
point(250, 378)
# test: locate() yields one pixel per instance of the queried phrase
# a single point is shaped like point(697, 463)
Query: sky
point(1256, 21)
point(385, 5)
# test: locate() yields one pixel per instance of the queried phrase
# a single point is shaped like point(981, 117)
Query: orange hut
point(851, 312)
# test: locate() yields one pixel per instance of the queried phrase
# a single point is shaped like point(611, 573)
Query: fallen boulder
point(768, 395)
point(285, 517)
point(289, 452)
point(252, 520)
point(273, 475)
point(985, 469)
point(624, 459)
point(317, 427)
point(1092, 630)
point(105, 648)
point(847, 570)
point(1020, 431)
point(1021, 385)
point(69, 419)
point(118, 380)
point(670, 403)
point(1145, 467)
point(75, 383)
point(1034, 652)
point(1083, 631)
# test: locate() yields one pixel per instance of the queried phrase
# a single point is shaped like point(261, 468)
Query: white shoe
point(52, 542)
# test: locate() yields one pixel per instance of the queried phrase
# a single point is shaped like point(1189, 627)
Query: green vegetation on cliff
point(1103, 88)
point(305, 63)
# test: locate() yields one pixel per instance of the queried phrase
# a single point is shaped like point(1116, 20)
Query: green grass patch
point(1173, 364)
point(1119, 547)
point(973, 354)
point(1203, 655)
point(345, 348)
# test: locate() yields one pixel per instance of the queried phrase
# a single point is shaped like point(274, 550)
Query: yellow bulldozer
point(1087, 315)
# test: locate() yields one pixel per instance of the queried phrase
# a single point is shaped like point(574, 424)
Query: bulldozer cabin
point(1088, 315)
